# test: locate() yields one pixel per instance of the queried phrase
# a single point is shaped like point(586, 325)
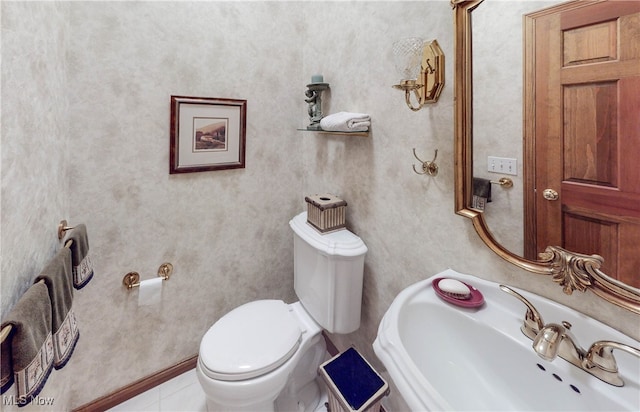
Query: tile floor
point(180, 394)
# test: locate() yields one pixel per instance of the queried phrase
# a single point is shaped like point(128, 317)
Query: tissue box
point(353, 384)
point(326, 212)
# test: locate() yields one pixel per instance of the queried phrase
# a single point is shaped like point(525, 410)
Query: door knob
point(550, 194)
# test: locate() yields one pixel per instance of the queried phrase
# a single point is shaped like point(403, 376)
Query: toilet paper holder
point(132, 279)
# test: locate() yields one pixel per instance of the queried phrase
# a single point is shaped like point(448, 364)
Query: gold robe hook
point(428, 168)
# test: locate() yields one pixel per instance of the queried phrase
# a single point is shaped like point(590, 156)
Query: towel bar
point(132, 279)
point(504, 182)
point(7, 329)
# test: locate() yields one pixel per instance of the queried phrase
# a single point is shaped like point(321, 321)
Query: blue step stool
point(353, 384)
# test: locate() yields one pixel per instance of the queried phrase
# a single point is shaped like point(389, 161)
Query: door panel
point(590, 44)
point(590, 133)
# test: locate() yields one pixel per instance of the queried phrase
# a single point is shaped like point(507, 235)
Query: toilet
point(265, 354)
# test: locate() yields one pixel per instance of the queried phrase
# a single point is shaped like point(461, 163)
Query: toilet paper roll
point(150, 292)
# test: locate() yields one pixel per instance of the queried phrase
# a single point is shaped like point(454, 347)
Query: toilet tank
point(328, 272)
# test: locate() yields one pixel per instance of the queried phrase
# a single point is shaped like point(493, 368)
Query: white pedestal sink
point(445, 357)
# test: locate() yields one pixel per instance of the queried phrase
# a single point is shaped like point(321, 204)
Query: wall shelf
point(336, 133)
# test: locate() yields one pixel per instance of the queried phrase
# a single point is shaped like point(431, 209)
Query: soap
point(454, 288)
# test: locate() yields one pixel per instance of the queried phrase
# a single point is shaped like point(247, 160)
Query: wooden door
point(587, 134)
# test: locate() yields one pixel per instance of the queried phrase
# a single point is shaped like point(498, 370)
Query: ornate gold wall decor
point(573, 271)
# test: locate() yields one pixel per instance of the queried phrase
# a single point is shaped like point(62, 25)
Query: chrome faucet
point(552, 340)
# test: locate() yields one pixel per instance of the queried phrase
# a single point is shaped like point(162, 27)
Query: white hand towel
point(346, 122)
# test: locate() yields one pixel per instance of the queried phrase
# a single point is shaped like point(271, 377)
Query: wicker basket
point(326, 212)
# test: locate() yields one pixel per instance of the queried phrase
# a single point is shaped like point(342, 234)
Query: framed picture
point(207, 134)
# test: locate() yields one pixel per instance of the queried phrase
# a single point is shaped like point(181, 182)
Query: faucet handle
point(601, 363)
point(533, 322)
point(547, 341)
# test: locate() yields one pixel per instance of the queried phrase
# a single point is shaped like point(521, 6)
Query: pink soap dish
point(475, 300)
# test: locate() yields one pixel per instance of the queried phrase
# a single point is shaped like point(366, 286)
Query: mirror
point(497, 112)
point(572, 271)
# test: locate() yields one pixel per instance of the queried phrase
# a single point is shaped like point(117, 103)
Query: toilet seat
point(250, 341)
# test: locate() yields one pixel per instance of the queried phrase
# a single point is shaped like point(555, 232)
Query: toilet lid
point(250, 341)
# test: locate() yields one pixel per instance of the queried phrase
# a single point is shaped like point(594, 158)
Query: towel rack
point(504, 182)
point(7, 329)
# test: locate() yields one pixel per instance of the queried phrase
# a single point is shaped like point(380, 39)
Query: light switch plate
point(503, 165)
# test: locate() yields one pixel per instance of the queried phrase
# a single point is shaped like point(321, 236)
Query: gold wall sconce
point(421, 66)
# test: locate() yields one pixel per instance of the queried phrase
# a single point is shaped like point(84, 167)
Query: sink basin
point(442, 356)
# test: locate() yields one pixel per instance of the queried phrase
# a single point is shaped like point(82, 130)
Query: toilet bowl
point(251, 354)
point(265, 354)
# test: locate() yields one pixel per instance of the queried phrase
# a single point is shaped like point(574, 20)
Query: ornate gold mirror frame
point(572, 271)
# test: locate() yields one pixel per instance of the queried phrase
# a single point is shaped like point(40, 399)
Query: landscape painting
point(210, 133)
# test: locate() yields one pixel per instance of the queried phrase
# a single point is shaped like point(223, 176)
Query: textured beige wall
point(35, 139)
point(86, 137)
point(90, 82)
